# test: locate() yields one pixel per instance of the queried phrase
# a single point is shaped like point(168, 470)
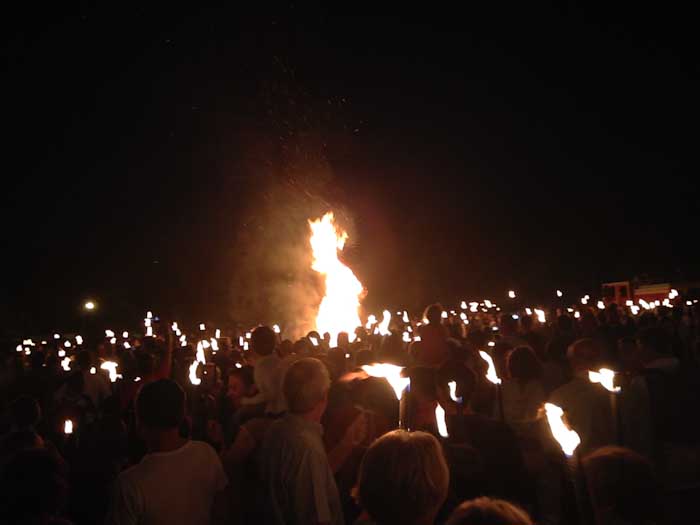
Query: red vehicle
point(620, 292)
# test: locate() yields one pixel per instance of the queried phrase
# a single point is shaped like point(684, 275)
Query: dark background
point(475, 151)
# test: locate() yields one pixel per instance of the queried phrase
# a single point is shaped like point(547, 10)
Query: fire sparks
point(567, 438)
point(491, 374)
point(605, 377)
point(392, 373)
point(338, 311)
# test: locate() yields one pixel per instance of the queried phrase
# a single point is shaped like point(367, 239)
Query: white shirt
point(173, 488)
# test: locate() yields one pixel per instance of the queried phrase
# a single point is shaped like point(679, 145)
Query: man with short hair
point(179, 481)
point(299, 483)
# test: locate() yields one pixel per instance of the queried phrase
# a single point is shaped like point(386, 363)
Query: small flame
point(605, 377)
point(559, 294)
point(491, 372)
point(444, 315)
point(66, 364)
point(601, 305)
point(453, 392)
point(276, 328)
point(79, 339)
point(93, 370)
point(540, 315)
point(149, 315)
point(61, 353)
point(111, 366)
point(113, 340)
point(405, 317)
point(200, 352)
point(371, 320)
point(313, 340)
point(511, 294)
point(463, 305)
point(149, 331)
point(214, 345)
point(193, 373)
point(217, 333)
point(67, 344)
point(202, 327)
point(383, 328)
point(338, 311)
point(125, 335)
point(56, 336)
point(567, 438)
point(440, 418)
point(174, 327)
point(406, 337)
point(392, 373)
point(109, 333)
point(68, 427)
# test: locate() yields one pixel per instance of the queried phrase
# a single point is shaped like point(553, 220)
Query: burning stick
point(392, 373)
point(606, 377)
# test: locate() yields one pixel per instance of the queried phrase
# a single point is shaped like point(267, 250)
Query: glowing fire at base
point(338, 311)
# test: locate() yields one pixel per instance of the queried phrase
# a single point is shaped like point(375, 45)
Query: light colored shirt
point(173, 488)
point(299, 484)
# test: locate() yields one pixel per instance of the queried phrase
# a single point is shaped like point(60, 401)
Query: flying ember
point(339, 307)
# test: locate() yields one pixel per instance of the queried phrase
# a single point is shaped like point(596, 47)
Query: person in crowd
point(488, 511)
point(622, 486)
point(533, 338)
point(266, 374)
point(25, 415)
point(522, 391)
point(403, 479)
point(586, 404)
point(33, 489)
point(298, 482)
point(95, 386)
point(555, 369)
point(433, 350)
point(495, 442)
point(179, 481)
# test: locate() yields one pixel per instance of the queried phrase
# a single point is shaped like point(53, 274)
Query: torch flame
point(453, 391)
point(111, 366)
point(392, 373)
point(491, 372)
point(193, 373)
point(338, 311)
point(605, 377)
point(440, 418)
point(68, 427)
point(383, 328)
point(567, 438)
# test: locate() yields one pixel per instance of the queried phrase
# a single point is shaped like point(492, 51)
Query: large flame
point(568, 438)
point(392, 373)
point(338, 311)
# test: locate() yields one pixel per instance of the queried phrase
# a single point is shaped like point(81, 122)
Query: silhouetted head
point(263, 340)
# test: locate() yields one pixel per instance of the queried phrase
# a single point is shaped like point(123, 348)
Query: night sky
point(473, 151)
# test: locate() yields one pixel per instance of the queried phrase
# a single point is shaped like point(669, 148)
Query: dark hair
point(487, 511)
point(523, 364)
point(656, 338)
point(161, 404)
point(25, 412)
point(564, 323)
point(83, 359)
point(263, 340)
point(433, 313)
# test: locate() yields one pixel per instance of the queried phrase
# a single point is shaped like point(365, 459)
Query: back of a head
point(523, 364)
point(84, 360)
point(403, 478)
point(25, 412)
point(564, 323)
point(433, 313)
point(161, 405)
point(585, 354)
point(306, 384)
point(263, 340)
point(487, 511)
point(623, 483)
point(654, 339)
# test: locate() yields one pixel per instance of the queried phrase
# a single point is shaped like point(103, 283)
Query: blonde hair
point(403, 478)
point(306, 383)
point(487, 511)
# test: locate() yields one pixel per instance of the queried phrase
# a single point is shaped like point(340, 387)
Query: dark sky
point(476, 150)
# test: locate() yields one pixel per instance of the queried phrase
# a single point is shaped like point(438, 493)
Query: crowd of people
point(297, 432)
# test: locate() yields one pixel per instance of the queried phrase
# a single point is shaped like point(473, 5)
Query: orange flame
point(338, 311)
point(567, 438)
point(392, 373)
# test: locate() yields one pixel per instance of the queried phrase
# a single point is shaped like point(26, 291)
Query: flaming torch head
point(440, 419)
point(392, 373)
point(193, 373)
point(605, 377)
point(339, 307)
point(68, 427)
point(491, 374)
point(567, 438)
